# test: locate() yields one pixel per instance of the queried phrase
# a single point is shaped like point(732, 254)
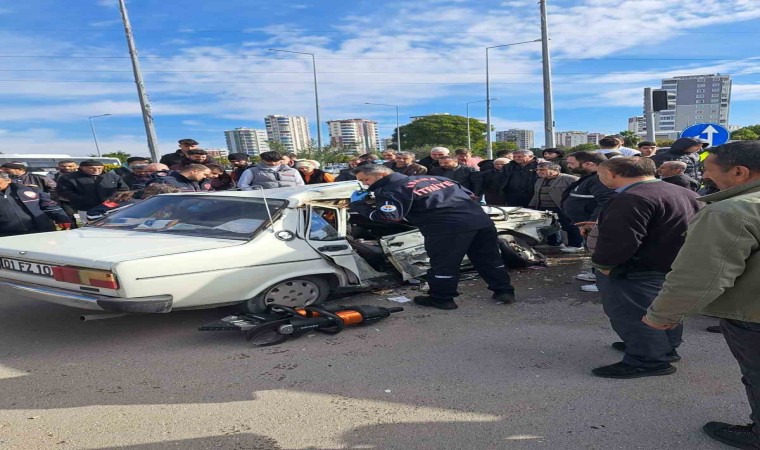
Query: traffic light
point(659, 99)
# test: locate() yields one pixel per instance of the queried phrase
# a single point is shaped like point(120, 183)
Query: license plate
point(26, 267)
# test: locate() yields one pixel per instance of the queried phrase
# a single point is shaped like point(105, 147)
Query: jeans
point(743, 338)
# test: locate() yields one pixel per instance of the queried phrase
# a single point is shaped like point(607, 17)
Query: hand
point(64, 226)
point(585, 227)
point(656, 326)
point(606, 272)
point(359, 196)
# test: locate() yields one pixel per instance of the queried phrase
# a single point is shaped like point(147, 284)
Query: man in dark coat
point(492, 189)
point(19, 175)
point(25, 210)
point(468, 177)
point(436, 153)
point(518, 179)
point(673, 172)
point(192, 178)
point(685, 150)
point(89, 186)
point(126, 170)
point(404, 164)
point(180, 156)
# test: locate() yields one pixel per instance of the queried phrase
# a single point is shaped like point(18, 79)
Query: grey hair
point(373, 169)
point(549, 166)
point(440, 149)
point(678, 164)
point(523, 152)
point(406, 155)
point(4, 176)
point(741, 153)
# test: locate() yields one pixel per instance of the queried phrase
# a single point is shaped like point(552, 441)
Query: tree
point(584, 148)
point(630, 138)
point(120, 155)
point(447, 131)
point(665, 143)
point(750, 133)
point(499, 146)
point(277, 146)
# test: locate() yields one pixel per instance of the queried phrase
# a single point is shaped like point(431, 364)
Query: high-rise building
point(247, 140)
point(594, 138)
point(523, 138)
point(569, 139)
point(354, 135)
point(217, 152)
point(694, 99)
point(637, 124)
point(291, 131)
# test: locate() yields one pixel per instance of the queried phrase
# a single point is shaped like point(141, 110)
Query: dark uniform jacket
point(36, 181)
point(435, 205)
point(643, 227)
point(85, 191)
point(470, 178)
point(518, 182)
point(411, 169)
point(172, 159)
point(183, 183)
point(683, 181)
point(27, 210)
point(584, 199)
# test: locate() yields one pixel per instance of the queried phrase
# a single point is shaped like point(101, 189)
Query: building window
point(700, 95)
point(700, 91)
point(699, 116)
point(716, 95)
point(700, 85)
point(700, 101)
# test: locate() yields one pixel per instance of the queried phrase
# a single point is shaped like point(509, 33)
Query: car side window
point(323, 225)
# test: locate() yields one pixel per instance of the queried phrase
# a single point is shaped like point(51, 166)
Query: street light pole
point(489, 147)
point(547, 65)
point(398, 127)
point(316, 89)
point(469, 143)
point(92, 127)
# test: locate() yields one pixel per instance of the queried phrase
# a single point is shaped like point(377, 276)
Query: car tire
point(517, 253)
point(295, 292)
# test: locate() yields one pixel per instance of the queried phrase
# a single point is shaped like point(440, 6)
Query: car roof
point(296, 195)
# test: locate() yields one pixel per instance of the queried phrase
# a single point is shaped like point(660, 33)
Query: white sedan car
point(291, 246)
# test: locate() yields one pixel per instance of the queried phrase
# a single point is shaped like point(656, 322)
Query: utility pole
point(548, 101)
point(649, 114)
point(92, 128)
point(150, 130)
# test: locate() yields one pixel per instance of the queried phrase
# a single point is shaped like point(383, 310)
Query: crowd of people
point(645, 215)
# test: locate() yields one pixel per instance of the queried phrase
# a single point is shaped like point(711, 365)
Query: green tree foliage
point(498, 146)
point(325, 155)
point(631, 138)
point(750, 133)
point(584, 147)
point(665, 142)
point(120, 155)
point(447, 131)
point(277, 146)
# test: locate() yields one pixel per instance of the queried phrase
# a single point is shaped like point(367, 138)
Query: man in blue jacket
point(452, 223)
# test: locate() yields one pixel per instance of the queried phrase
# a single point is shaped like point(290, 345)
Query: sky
point(208, 68)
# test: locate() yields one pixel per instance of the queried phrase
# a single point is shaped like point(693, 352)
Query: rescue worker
point(192, 178)
point(89, 186)
point(19, 175)
point(452, 224)
point(65, 166)
point(25, 210)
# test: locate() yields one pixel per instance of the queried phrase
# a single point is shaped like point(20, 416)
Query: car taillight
point(96, 278)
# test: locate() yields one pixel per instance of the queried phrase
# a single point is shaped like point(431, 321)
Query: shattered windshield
point(200, 216)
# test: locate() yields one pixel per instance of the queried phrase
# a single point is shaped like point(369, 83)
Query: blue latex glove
point(359, 196)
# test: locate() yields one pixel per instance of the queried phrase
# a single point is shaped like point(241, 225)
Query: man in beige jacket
point(717, 273)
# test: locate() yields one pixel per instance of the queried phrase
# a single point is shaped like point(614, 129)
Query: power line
point(267, 72)
point(396, 58)
point(359, 83)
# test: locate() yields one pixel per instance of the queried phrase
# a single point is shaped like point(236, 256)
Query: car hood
point(101, 249)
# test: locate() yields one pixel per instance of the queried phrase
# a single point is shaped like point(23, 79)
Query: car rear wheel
point(517, 253)
point(295, 292)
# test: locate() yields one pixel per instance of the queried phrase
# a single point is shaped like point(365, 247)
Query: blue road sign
point(714, 134)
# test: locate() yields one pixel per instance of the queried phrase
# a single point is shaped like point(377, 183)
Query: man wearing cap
point(89, 186)
point(25, 210)
point(685, 150)
point(19, 175)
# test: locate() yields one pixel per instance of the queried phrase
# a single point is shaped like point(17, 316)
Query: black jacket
point(518, 183)
point(39, 182)
point(468, 177)
point(584, 199)
point(85, 191)
point(492, 188)
point(28, 210)
point(435, 205)
point(428, 162)
point(172, 159)
point(642, 228)
point(411, 169)
point(676, 153)
point(184, 184)
point(683, 181)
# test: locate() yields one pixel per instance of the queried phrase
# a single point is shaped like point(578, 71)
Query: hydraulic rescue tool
point(281, 323)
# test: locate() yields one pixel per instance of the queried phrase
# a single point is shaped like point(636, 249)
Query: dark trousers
point(625, 301)
point(574, 238)
point(743, 338)
point(446, 252)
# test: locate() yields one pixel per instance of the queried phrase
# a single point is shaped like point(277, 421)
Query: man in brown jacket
point(550, 187)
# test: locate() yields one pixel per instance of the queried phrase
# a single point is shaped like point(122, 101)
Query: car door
point(406, 251)
point(326, 233)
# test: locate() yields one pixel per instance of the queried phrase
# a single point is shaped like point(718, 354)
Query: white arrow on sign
point(709, 131)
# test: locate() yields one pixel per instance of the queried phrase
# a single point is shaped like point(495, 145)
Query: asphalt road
point(486, 376)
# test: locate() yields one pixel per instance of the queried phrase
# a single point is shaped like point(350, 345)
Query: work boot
point(504, 297)
point(624, 371)
point(714, 329)
point(739, 436)
point(440, 303)
point(672, 356)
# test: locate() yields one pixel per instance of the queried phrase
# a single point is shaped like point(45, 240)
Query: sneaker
point(586, 276)
point(714, 329)
point(739, 436)
point(673, 356)
point(504, 297)
point(567, 249)
point(622, 370)
point(426, 300)
point(589, 288)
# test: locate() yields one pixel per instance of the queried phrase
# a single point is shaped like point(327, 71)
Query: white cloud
point(745, 92)
point(108, 3)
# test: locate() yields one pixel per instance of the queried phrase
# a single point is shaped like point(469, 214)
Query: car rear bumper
point(138, 305)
